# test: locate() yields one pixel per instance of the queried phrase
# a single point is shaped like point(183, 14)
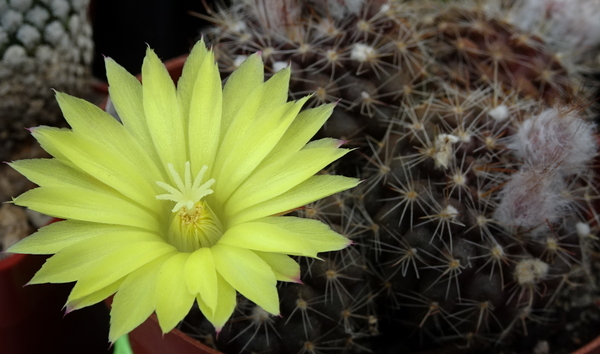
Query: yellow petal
point(117, 265)
point(318, 234)
point(135, 300)
point(312, 189)
point(281, 176)
point(126, 94)
point(277, 88)
point(242, 82)
point(241, 158)
point(257, 126)
point(107, 165)
point(248, 274)
point(95, 297)
point(45, 135)
point(231, 143)
point(189, 76)
point(225, 304)
point(59, 235)
point(54, 173)
point(284, 267)
point(87, 205)
point(201, 276)
point(302, 129)
point(163, 115)
point(173, 300)
point(266, 237)
point(87, 120)
point(323, 144)
point(75, 261)
point(205, 116)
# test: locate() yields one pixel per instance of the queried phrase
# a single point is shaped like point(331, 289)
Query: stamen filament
point(193, 223)
point(186, 194)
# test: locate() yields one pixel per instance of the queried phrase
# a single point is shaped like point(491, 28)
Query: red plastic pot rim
point(12, 260)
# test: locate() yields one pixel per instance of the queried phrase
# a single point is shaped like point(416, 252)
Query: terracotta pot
point(592, 347)
point(32, 319)
point(16, 301)
point(148, 339)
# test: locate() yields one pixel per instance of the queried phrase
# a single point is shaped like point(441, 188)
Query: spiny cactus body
point(42, 43)
point(476, 215)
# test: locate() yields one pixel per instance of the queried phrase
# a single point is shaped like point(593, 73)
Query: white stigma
point(187, 194)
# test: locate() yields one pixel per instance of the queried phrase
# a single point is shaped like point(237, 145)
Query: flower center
point(193, 223)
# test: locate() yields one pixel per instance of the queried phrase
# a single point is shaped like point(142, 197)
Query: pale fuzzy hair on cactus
point(573, 26)
point(532, 200)
point(555, 139)
point(530, 271)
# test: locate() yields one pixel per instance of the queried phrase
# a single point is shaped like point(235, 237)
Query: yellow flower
point(178, 203)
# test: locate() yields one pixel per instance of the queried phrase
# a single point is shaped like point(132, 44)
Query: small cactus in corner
point(43, 43)
point(477, 214)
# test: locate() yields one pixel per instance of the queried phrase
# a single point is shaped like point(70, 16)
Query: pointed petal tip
point(150, 52)
point(68, 308)
point(341, 142)
point(111, 341)
point(348, 141)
